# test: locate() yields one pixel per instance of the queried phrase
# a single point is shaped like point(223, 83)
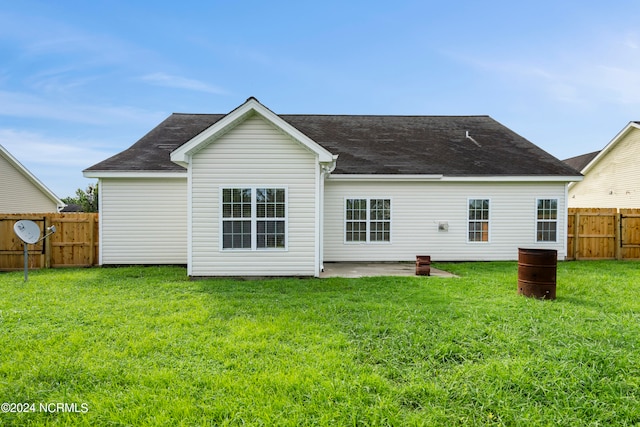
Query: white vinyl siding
point(143, 221)
point(419, 208)
point(614, 182)
point(254, 155)
point(19, 195)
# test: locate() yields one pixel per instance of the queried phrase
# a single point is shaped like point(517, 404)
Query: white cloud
point(38, 37)
point(57, 162)
point(602, 71)
point(168, 80)
point(34, 148)
point(18, 104)
point(62, 80)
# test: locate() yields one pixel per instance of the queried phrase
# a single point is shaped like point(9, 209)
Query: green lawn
point(146, 346)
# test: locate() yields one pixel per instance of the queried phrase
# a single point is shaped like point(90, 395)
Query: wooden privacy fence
point(593, 233)
point(603, 233)
point(74, 244)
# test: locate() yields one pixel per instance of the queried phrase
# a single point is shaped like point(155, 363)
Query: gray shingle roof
point(412, 145)
point(579, 162)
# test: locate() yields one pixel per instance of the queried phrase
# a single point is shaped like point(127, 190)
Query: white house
point(21, 191)
point(611, 176)
point(252, 192)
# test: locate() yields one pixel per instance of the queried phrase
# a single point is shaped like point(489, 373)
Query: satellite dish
point(29, 233)
point(27, 230)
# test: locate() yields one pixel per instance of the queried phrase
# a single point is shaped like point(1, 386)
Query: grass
point(146, 346)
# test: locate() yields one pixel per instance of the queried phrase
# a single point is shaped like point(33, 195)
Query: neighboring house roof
point(30, 177)
point(369, 144)
point(72, 207)
point(579, 162)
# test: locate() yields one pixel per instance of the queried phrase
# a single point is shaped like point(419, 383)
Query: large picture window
point(547, 220)
point(368, 220)
point(478, 220)
point(254, 218)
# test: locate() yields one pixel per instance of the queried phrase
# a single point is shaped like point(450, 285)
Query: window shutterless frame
point(478, 220)
point(254, 218)
point(367, 220)
point(546, 219)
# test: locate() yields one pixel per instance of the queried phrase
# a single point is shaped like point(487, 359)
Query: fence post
point(576, 234)
point(47, 245)
point(618, 239)
point(92, 240)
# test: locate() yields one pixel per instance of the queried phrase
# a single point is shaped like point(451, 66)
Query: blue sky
point(82, 80)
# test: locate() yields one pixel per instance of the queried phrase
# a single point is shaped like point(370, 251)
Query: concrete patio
point(369, 269)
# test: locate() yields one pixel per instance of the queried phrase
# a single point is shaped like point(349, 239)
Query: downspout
point(100, 221)
point(566, 222)
point(190, 217)
point(320, 225)
point(325, 171)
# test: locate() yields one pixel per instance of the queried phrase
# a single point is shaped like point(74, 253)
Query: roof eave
point(133, 174)
point(461, 178)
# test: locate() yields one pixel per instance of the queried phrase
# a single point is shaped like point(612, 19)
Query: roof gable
point(30, 177)
point(183, 153)
point(599, 155)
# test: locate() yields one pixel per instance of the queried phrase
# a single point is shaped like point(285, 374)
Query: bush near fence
point(603, 233)
point(74, 244)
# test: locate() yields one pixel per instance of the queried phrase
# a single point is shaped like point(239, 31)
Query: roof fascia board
point(133, 174)
point(516, 178)
point(349, 177)
point(442, 178)
point(31, 177)
point(628, 128)
point(181, 155)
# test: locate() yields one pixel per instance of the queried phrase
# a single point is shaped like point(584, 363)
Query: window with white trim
point(270, 212)
point(254, 218)
point(478, 224)
point(367, 220)
point(547, 220)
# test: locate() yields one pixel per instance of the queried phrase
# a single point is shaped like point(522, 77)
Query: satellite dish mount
point(29, 232)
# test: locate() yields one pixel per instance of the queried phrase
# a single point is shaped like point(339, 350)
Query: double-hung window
point(478, 224)
point(254, 218)
point(547, 220)
point(236, 218)
point(270, 218)
point(368, 220)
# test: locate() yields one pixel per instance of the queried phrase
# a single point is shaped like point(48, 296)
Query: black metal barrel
point(537, 273)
